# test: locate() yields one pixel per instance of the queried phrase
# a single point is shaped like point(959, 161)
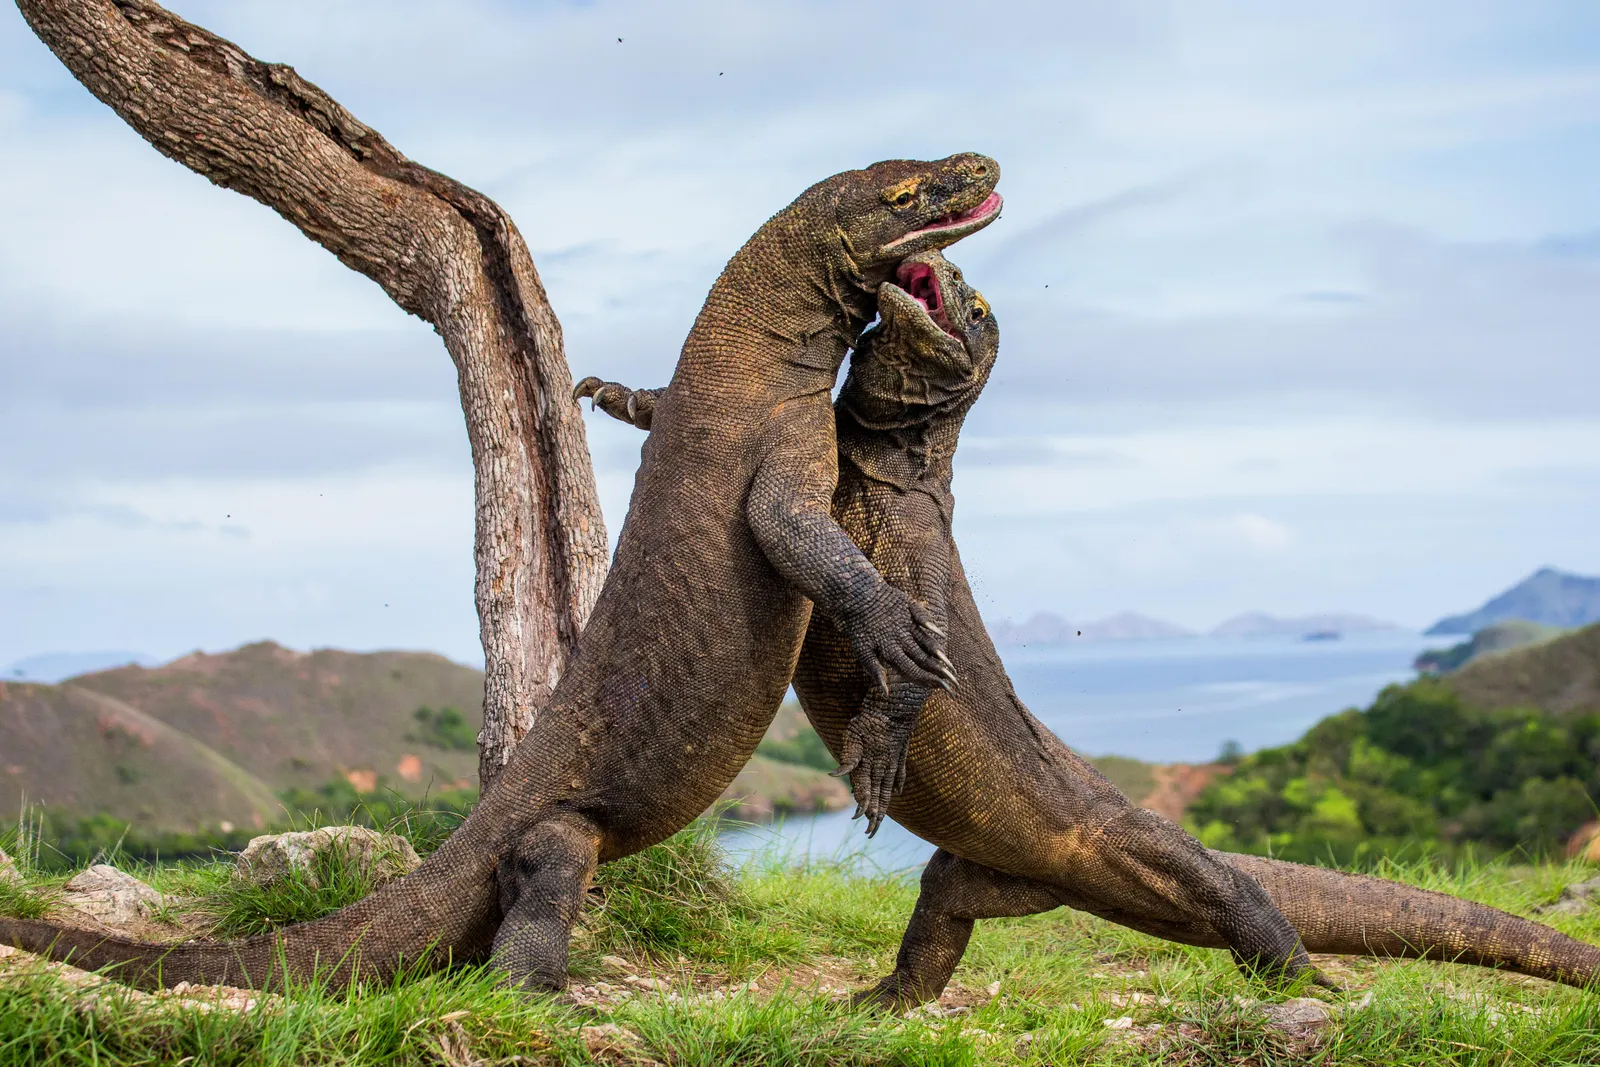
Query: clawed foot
point(899, 632)
point(875, 745)
point(633, 406)
point(891, 996)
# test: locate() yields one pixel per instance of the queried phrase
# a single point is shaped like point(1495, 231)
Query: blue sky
point(1298, 302)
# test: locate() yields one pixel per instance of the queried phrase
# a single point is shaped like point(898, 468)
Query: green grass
point(803, 934)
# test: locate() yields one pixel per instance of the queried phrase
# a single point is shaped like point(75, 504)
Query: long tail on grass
point(445, 909)
point(1355, 914)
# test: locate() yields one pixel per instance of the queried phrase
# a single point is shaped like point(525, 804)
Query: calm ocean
point(1163, 701)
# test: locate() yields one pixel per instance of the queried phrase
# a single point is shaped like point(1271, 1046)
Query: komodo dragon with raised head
point(1024, 824)
point(692, 643)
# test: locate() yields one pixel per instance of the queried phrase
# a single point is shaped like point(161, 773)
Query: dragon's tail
point(446, 906)
point(1354, 914)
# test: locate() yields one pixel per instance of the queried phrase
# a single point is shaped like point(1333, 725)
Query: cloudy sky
point(1299, 302)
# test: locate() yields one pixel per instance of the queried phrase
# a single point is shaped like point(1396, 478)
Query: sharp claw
point(842, 770)
point(932, 628)
point(580, 390)
point(883, 681)
point(859, 812)
point(944, 659)
point(633, 405)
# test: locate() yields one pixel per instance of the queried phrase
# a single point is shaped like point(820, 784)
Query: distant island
point(1547, 596)
point(1047, 628)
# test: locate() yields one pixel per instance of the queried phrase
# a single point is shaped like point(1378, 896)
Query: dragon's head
point(934, 342)
point(902, 207)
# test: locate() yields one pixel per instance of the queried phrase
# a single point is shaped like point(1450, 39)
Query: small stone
point(1122, 1022)
point(657, 984)
point(993, 989)
point(8, 870)
point(271, 857)
point(1575, 899)
point(616, 963)
point(1297, 1015)
point(609, 1043)
point(110, 896)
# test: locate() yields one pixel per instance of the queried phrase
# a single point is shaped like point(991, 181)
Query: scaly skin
point(1023, 824)
point(692, 643)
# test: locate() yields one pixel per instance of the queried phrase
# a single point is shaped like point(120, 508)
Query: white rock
point(1297, 1014)
point(110, 896)
point(1575, 899)
point(270, 857)
point(8, 869)
point(1122, 1022)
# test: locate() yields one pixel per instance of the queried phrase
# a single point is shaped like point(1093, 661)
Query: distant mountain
point(1496, 637)
point(1560, 676)
point(1547, 596)
point(52, 667)
point(1260, 624)
point(1047, 628)
point(83, 752)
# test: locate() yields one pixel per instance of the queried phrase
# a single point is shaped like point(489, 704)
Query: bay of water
point(1162, 701)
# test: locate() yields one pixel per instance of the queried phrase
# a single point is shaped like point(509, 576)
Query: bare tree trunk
point(444, 253)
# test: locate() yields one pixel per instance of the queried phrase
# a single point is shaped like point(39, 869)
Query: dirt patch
point(1177, 785)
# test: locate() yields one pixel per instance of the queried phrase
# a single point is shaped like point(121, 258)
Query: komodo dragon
point(692, 643)
point(1024, 824)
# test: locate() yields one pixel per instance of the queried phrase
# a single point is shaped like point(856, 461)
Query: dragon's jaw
point(947, 229)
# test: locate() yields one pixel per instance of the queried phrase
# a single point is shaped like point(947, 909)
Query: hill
point(1549, 596)
point(76, 750)
point(1496, 637)
point(164, 748)
point(1260, 624)
point(1561, 676)
point(297, 719)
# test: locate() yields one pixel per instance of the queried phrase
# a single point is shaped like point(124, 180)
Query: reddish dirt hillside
point(299, 718)
point(83, 752)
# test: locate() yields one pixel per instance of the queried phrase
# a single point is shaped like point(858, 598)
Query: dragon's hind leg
point(1142, 871)
point(955, 893)
point(543, 880)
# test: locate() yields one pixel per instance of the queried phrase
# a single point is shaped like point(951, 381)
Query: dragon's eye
point(903, 193)
point(980, 310)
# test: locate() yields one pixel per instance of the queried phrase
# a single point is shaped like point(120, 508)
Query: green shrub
point(1417, 767)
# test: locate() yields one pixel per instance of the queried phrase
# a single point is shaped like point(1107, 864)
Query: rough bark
point(443, 252)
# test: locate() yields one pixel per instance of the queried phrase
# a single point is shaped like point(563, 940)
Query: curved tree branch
point(443, 252)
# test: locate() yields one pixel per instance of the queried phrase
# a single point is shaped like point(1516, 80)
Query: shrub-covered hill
point(72, 749)
point(1505, 752)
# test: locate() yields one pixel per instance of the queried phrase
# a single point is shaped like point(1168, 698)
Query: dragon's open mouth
point(958, 224)
point(921, 283)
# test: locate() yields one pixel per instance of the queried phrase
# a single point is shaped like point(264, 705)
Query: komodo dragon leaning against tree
point(694, 638)
point(1023, 824)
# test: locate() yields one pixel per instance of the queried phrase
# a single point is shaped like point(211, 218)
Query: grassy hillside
point(76, 750)
point(1496, 637)
point(297, 719)
point(1560, 676)
point(683, 962)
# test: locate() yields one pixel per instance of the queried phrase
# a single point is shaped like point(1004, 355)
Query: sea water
point(1163, 701)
